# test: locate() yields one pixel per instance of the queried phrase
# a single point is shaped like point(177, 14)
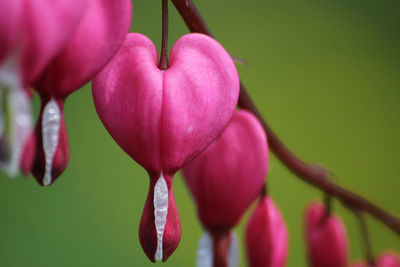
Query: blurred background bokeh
point(324, 73)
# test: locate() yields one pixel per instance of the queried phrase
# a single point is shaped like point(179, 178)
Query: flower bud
point(163, 119)
point(229, 175)
point(387, 259)
point(325, 237)
point(266, 236)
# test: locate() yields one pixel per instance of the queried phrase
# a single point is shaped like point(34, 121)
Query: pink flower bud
point(97, 38)
point(266, 236)
point(229, 175)
point(388, 259)
point(162, 119)
point(325, 237)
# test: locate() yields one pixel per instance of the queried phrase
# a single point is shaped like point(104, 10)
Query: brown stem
point(221, 243)
point(163, 64)
point(366, 242)
point(310, 173)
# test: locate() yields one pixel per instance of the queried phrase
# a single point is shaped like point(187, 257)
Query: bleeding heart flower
point(326, 238)
point(266, 236)
point(31, 33)
point(97, 38)
point(163, 119)
point(387, 259)
point(229, 175)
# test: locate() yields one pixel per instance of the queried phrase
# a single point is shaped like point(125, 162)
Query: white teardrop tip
point(160, 213)
point(51, 119)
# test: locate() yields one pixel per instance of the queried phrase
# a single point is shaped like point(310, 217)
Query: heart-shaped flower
point(325, 237)
point(266, 236)
point(163, 119)
point(228, 176)
point(31, 34)
point(97, 38)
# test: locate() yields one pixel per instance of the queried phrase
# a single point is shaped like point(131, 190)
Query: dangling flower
point(97, 38)
point(387, 259)
point(163, 119)
point(266, 236)
point(325, 237)
point(31, 33)
point(229, 175)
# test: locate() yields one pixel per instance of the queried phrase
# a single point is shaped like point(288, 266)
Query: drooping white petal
point(160, 213)
point(205, 251)
point(15, 117)
point(50, 133)
point(233, 254)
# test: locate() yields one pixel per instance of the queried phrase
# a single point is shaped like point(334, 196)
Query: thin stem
point(366, 242)
point(163, 64)
point(328, 204)
point(309, 173)
point(221, 243)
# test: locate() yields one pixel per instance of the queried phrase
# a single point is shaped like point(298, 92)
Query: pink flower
point(266, 236)
point(226, 178)
point(97, 38)
point(387, 259)
point(31, 34)
point(163, 119)
point(325, 237)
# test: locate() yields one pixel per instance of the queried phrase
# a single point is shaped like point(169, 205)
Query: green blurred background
point(325, 74)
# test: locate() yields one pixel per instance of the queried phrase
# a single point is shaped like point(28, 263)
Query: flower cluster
point(177, 115)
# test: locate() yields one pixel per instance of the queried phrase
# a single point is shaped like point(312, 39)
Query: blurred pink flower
point(326, 238)
point(266, 236)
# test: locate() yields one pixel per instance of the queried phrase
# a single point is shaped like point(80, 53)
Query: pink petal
point(266, 236)
point(10, 25)
point(147, 230)
point(388, 259)
point(163, 119)
point(229, 175)
point(97, 38)
point(28, 155)
point(46, 28)
point(326, 238)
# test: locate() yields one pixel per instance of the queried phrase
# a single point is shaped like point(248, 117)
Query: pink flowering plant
point(169, 110)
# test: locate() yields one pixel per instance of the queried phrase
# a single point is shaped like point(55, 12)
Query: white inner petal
point(233, 254)
point(205, 251)
point(50, 134)
point(15, 116)
point(160, 213)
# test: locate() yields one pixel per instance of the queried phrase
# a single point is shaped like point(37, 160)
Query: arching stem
point(163, 64)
